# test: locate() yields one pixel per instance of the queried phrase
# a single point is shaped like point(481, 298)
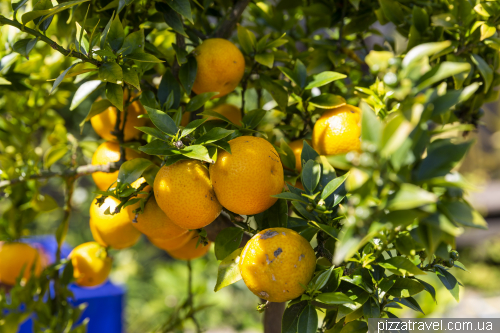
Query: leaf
point(449, 281)
point(253, 118)
point(410, 196)
point(187, 74)
point(24, 46)
point(131, 170)
point(484, 69)
point(405, 288)
point(278, 93)
point(96, 108)
point(182, 7)
point(228, 272)
point(329, 230)
point(327, 101)
point(371, 126)
point(355, 326)
point(131, 77)
point(333, 185)
point(371, 309)
point(197, 152)
point(300, 74)
point(277, 214)
point(213, 135)
point(133, 43)
point(334, 298)
point(111, 72)
point(199, 100)
point(83, 92)
point(411, 303)
point(323, 78)
point(114, 93)
point(43, 203)
point(162, 121)
point(168, 87)
point(392, 11)
point(308, 320)
point(424, 50)
point(462, 213)
point(227, 241)
point(61, 77)
point(171, 18)
point(311, 175)
point(401, 266)
point(442, 71)
point(308, 153)
point(16, 4)
point(54, 154)
point(157, 147)
point(143, 57)
point(266, 59)
point(320, 280)
point(116, 36)
point(291, 197)
point(154, 132)
point(30, 16)
point(192, 126)
point(291, 316)
point(288, 160)
point(247, 39)
point(430, 289)
point(104, 34)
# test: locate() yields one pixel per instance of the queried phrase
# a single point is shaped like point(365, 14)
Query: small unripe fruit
point(449, 263)
point(454, 255)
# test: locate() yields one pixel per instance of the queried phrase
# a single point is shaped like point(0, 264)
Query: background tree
point(377, 217)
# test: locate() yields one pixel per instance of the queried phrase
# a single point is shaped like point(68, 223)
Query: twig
point(54, 45)
point(62, 230)
point(227, 27)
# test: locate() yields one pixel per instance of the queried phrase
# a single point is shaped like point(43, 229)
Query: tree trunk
point(272, 317)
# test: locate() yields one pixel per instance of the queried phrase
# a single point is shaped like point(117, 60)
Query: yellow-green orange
point(91, 264)
point(229, 111)
point(221, 66)
point(153, 222)
point(16, 256)
point(275, 263)
point(337, 131)
point(114, 230)
point(190, 250)
point(184, 192)
point(108, 152)
point(245, 180)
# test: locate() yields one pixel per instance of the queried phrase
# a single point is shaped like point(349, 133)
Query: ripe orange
point(109, 152)
point(337, 131)
point(229, 111)
point(115, 230)
point(276, 263)
point(190, 251)
point(184, 192)
point(221, 66)
point(245, 179)
point(16, 256)
point(154, 223)
point(173, 243)
point(91, 264)
point(185, 118)
point(104, 122)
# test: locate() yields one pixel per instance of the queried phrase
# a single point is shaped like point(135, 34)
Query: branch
point(227, 27)
point(54, 45)
point(76, 172)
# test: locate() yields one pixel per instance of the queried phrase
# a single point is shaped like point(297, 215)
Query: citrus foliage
point(379, 215)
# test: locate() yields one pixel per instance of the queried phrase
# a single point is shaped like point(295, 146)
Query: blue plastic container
point(105, 303)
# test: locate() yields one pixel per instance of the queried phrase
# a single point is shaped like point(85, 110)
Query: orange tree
point(325, 135)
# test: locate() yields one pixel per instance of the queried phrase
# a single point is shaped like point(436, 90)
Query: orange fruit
point(104, 122)
point(154, 223)
point(173, 243)
point(16, 256)
point(297, 147)
point(337, 131)
point(245, 179)
point(91, 264)
point(221, 66)
point(184, 192)
point(229, 111)
point(108, 152)
point(114, 230)
point(276, 263)
point(190, 250)
point(185, 118)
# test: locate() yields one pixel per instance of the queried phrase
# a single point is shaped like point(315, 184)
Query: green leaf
point(462, 213)
point(111, 72)
point(404, 287)
point(197, 152)
point(420, 18)
point(217, 115)
point(131, 77)
point(401, 266)
point(395, 131)
point(143, 57)
point(61, 77)
point(279, 94)
point(114, 92)
point(333, 185)
point(192, 126)
point(484, 69)
point(329, 230)
point(162, 121)
point(154, 132)
point(291, 316)
point(133, 43)
point(187, 74)
point(449, 281)
point(424, 50)
point(300, 74)
point(311, 175)
point(371, 309)
point(24, 46)
point(131, 170)
point(371, 126)
point(410, 196)
point(334, 298)
point(168, 87)
point(157, 147)
point(54, 154)
point(277, 214)
point(247, 39)
point(308, 320)
point(442, 157)
point(430, 289)
point(355, 326)
point(227, 241)
point(288, 160)
point(228, 272)
point(252, 119)
point(43, 203)
point(441, 72)
point(16, 4)
point(320, 280)
point(171, 18)
point(266, 59)
point(213, 135)
point(323, 78)
point(291, 197)
point(30, 16)
point(104, 34)
point(392, 11)
point(411, 303)
point(199, 100)
point(327, 101)
point(116, 35)
point(182, 7)
point(96, 108)
point(308, 153)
